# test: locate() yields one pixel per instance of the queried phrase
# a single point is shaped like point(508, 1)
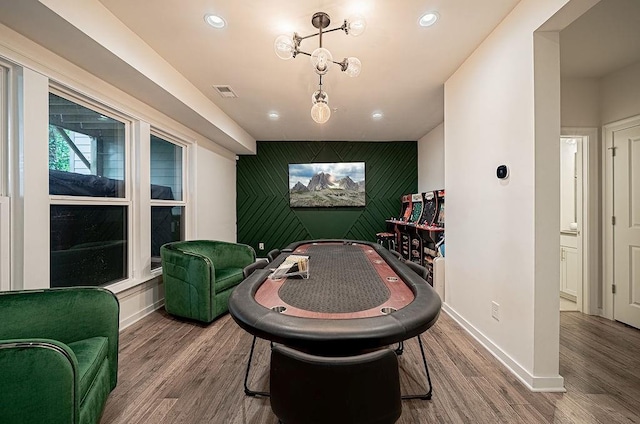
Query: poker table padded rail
point(333, 337)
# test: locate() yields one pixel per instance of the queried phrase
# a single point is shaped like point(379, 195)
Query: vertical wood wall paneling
point(263, 211)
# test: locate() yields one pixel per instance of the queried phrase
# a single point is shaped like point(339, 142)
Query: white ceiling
point(404, 66)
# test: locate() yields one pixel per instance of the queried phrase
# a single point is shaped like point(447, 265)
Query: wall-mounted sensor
point(502, 172)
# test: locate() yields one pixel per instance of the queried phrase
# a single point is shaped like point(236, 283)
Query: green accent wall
point(263, 212)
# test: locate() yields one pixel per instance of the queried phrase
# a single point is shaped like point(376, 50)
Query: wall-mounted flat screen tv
point(319, 185)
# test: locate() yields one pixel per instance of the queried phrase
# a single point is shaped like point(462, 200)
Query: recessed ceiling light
point(377, 116)
point(274, 115)
point(215, 21)
point(428, 19)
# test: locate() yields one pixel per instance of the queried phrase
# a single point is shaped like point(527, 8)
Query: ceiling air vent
point(225, 91)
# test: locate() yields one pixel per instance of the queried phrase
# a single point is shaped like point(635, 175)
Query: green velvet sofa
point(199, 276)
point(58, 354)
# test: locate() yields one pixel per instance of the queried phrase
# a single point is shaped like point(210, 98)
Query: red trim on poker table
point(400, 294)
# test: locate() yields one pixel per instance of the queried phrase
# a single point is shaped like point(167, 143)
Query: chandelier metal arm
point(343, 28)
point(343, 65)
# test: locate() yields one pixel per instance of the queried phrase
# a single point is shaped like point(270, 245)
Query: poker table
point(357, 297)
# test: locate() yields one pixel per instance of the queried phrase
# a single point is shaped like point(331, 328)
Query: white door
point(626, 231)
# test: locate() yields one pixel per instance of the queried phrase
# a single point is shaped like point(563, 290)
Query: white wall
point(30, 264)
point(580, 100)
point(216, 196)
point(502, 235)
point(431, 160)
point(594, 102)
point(621, 94)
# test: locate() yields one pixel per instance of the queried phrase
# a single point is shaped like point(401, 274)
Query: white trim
point(5, 245)
point(122, 286)
point(88, 102)
point(160, 202)
point(85, 200)
point(184, 145)
point(30, 196)
point(138, 295)
point(184, 201)
point(532, 382)
point(172, 136)
point(5, 217)
point(4, 121)
point(190, 187)
point(132, 319)
point(141, 260)
point(608, 244)
point(14, 175)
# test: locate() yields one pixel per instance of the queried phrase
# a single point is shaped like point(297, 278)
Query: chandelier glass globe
point(320, 112)
point(321, 60)
point(356, 25)
point(354, 66)
point(284, 47)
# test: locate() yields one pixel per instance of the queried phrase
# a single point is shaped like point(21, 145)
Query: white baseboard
point(139, 301)
point(132, 319)
point(533, 383)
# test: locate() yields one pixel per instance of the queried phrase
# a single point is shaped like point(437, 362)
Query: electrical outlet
point(261, 246)
point(495, 311)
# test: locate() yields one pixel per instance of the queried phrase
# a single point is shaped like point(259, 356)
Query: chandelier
point(288, 47)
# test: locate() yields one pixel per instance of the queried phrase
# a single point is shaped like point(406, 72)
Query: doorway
point(579, 220)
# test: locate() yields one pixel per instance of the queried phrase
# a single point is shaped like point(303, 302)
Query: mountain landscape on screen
point(325, 190)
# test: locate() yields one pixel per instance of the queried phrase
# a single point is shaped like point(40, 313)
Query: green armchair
point(58, 354)
point(199, 276)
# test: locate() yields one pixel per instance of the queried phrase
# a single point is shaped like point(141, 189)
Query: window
point(89, 201)
point(88, 245)
point(167, 195)
point(86, 151)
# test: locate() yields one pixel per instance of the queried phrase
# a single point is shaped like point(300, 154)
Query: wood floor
point(173, 371)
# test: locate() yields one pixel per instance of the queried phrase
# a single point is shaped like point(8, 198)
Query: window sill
point(124, 285)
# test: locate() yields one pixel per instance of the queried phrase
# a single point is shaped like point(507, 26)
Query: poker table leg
point(426, 369)
point(400, 349)
point(248, 391)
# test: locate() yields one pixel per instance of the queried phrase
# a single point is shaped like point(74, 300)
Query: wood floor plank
point(175, 371)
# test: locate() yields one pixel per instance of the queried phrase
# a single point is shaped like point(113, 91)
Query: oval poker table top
point(358, 297)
